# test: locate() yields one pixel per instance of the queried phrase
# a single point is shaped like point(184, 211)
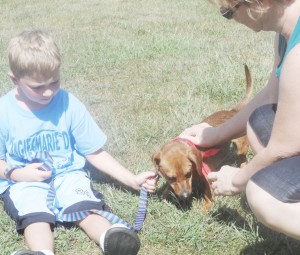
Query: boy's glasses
point(228, 12)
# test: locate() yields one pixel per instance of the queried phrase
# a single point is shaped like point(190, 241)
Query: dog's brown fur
point(178, 162)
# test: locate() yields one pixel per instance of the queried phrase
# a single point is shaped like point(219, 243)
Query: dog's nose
point(184, 194)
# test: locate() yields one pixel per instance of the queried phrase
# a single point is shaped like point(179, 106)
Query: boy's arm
point(29, 173)
point(105, 163)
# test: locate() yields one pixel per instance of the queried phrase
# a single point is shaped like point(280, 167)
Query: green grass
point(146, 70)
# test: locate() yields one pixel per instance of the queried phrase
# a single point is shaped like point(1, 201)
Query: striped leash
point(45, 158)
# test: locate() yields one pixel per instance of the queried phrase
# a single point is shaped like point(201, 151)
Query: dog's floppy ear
point(156, 159)
point(195, 157)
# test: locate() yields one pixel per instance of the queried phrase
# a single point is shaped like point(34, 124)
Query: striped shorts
point(26, 202)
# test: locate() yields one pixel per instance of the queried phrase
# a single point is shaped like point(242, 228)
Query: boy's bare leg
point(94, 225)
point(38, 236)
point(117, 239)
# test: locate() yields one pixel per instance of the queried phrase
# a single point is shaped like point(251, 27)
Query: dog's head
point(178, 162)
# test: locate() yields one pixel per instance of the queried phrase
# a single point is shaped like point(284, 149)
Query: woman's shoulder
point(294, 52)
point(291, 65)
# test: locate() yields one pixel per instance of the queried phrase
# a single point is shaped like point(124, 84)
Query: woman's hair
point(33, 52)
point(255, 8)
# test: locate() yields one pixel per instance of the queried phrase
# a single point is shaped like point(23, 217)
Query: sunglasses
point(228, 12)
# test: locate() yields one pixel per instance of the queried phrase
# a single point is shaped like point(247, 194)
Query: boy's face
point(38, 89)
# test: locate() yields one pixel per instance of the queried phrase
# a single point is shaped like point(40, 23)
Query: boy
point(37, 117)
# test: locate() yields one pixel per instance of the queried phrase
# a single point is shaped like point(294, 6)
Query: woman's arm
point(231, 180)
point(285, 137)
point(206, 136)
point(236, 126)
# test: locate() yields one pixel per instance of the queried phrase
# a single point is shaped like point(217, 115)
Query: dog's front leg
point(208, 196)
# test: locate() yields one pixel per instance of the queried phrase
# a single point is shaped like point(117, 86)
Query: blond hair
point(33, 52)
point(255, 8)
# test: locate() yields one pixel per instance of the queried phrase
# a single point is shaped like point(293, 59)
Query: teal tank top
point(294, 39)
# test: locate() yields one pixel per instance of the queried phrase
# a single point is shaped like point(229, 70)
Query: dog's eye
point(188, 175)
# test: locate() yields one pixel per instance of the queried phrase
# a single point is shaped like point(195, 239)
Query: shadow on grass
point(173, 199)
point(273, 244)
point(183, 205)
point(230, 217)
point(269, 243)
point(102, 178)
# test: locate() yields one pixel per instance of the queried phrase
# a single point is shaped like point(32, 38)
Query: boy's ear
point(13, 78)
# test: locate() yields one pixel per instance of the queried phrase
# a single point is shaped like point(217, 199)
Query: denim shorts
point(281, 179)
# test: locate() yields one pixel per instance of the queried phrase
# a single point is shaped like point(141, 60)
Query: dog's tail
point(249, 88)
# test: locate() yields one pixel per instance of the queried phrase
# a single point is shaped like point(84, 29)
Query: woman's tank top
point(284, 48)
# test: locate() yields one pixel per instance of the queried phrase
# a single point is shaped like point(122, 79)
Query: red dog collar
point(205, 170)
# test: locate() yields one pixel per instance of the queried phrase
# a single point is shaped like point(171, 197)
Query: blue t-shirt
point(64, 128)
point(294, 39)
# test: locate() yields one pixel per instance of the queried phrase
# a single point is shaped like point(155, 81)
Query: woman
point(271, 121)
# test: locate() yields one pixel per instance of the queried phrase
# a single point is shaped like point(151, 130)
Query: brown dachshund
point(185, 166)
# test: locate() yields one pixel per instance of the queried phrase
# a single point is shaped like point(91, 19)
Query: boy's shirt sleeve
point(87, 135)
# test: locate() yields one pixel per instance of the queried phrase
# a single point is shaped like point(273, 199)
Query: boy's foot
point(121, 241)
point(27, 252)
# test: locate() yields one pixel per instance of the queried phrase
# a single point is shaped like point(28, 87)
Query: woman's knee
point(253, 140)
point(251, 194)
point(260, 125)
point(262, 204)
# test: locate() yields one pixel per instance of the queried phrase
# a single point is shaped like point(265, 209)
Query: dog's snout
point(184, 194)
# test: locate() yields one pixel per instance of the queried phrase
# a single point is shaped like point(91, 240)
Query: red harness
point(205, 170)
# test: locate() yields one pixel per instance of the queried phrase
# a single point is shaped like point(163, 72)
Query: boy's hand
point(148, 180)
point(30, 173)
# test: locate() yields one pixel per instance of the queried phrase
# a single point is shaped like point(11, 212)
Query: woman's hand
point(30, 173)
point(203, 135)
point(222, 182)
